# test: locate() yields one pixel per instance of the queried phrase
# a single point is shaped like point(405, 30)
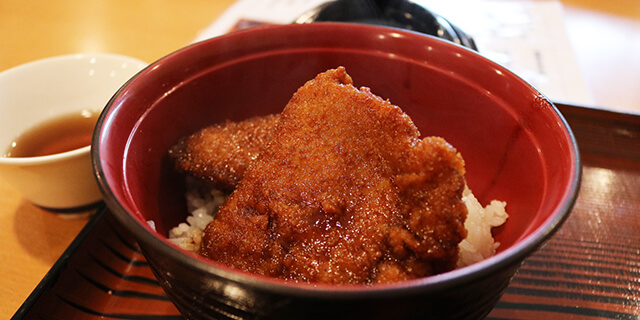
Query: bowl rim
point(508, 258)
point(71, 57)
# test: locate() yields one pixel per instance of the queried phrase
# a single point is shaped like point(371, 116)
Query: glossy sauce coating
point(345, 192)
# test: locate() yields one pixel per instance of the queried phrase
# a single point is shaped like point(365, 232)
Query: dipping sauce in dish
point(61, 134)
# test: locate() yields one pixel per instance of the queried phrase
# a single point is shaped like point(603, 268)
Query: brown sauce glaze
point(344, 192)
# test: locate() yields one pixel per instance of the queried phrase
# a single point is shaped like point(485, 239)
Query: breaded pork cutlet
point(345, 192)
point(219, 154)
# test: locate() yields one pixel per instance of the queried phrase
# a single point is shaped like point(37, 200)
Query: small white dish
point(38, 91)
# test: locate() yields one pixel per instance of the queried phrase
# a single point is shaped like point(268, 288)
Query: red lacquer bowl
point(516, 144)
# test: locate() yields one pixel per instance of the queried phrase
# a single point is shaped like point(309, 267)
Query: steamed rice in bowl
point(203, 202)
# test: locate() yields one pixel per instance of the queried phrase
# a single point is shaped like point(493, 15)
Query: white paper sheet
point(528, 37)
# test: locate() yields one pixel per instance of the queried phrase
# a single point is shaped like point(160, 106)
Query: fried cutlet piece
point(219, 154)
point(345, 192)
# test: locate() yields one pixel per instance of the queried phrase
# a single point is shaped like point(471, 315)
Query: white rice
point(479, 244)
point(202, 204)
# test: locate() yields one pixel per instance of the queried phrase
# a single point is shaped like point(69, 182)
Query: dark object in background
point(393, 13)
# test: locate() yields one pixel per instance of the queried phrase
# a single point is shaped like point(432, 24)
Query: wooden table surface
point(605, 36)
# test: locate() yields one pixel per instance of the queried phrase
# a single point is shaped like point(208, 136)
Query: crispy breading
point(345, 192)
point(219, 154)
